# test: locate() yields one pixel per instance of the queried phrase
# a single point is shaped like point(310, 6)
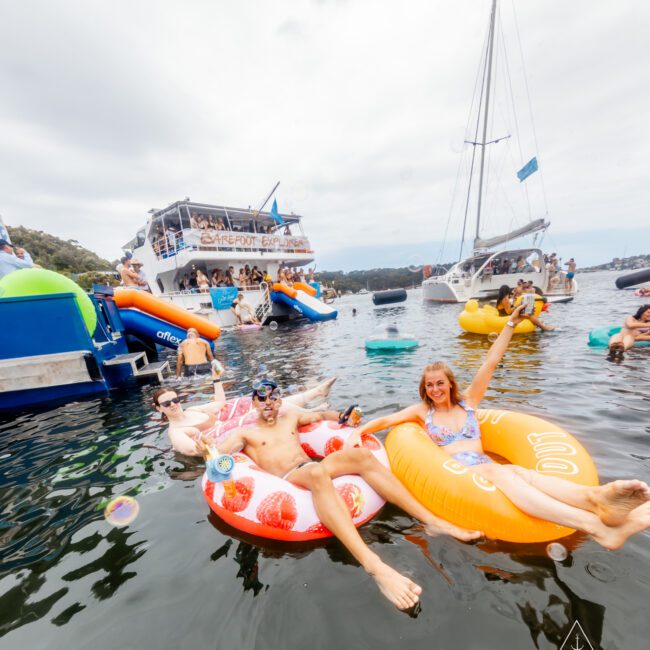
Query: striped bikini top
point(442, 435)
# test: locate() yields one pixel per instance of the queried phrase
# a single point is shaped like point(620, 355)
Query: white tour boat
point(186, 237)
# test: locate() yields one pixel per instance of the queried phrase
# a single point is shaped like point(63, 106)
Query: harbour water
point(178, 577)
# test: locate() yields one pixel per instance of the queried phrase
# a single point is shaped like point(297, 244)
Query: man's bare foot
point(614, 502)
point(321, 407)
point(325, 387)
point(400, 590)
point(441, 527)
point(613, 538)
point(548, 328)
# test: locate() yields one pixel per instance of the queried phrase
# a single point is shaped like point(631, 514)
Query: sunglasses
point(168, 402)
point(273, 397)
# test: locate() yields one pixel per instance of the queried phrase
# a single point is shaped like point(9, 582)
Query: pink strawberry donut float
point(269, 506)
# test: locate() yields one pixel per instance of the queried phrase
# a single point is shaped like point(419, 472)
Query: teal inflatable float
point(599, 338)
point(389, 339)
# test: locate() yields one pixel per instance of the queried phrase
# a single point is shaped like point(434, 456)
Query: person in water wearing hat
point(273, 444)
point(13, 259)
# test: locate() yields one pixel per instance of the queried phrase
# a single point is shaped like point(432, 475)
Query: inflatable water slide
point(155, 320)
point(302, 298)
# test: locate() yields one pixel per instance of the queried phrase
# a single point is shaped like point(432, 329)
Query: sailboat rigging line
point(530, 105)
point(460, 163)
point(514, 115)
point(485, 115)
point(478, 121)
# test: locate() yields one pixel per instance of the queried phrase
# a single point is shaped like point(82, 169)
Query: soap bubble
point(294, 374)
point(273, 326)
point(262, 368)
point(492, 337)
point(122, 511)
point(277, 340)
point(557, 552)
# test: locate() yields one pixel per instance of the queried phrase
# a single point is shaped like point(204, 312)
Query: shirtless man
point(186, 427)
point(130, 277)
point(273, 445)
point(194, 355)
point(571, 271)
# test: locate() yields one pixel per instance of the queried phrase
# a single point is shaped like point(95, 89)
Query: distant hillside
point(373, 279)
point(57, 254)
point(622, 264)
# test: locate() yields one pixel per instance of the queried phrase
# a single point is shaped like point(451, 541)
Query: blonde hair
point(454, 393)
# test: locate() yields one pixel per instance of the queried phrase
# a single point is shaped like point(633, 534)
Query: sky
point(360, 108)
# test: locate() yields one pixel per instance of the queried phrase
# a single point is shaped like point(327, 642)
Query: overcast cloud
point(359, 108)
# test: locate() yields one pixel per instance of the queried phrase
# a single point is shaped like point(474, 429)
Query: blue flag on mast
point(529, 168)
point(275, 214)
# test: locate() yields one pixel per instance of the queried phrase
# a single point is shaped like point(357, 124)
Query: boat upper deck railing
point(190, 239)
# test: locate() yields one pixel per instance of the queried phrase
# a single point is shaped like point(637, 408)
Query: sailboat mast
point(485, 115)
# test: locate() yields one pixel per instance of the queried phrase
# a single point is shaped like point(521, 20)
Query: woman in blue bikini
point(610, 513)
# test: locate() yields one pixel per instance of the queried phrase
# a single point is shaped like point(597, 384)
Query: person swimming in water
point(636, 328)
point(187, 426)
point(273, 445)
point(610, 513)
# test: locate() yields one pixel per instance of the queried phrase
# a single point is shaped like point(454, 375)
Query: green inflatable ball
point(41, 282)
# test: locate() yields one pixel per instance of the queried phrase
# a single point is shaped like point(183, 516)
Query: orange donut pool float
point(460, 495)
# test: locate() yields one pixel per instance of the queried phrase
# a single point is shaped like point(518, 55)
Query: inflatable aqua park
point(460, 495)
point(599, 337)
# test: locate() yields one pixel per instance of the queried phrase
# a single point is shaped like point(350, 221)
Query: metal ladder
point(265, 307)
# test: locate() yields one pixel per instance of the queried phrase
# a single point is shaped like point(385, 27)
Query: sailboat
point(493, 262)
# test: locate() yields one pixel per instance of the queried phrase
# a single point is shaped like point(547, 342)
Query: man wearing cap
point(11, 260)
point(274, 446)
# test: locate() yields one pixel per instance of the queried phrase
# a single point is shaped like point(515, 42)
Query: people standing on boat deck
point(202, 281)
point(137, 267)
point(571, 271)
point(271, 441)
point(194, 221)
point(635, 328)
point(610, 513)
point(194, 356)
point(13, 259)
point(130, 277)
point(243, 311)
point(242, 279)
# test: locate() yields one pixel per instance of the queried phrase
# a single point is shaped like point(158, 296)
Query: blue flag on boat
point(275, 214)
point(529, 168)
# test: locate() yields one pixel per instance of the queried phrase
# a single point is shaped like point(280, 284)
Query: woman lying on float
point(610, 513)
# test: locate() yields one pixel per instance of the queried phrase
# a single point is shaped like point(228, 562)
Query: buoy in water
point(390, 338)
point(389, 297)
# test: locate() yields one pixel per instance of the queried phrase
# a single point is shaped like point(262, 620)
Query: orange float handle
point(283, 288)
point(307, 288)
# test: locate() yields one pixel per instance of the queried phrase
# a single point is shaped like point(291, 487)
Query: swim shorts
point(197, 369)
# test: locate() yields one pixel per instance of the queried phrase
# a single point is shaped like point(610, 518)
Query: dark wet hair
point(640, 311)
point(504, 291)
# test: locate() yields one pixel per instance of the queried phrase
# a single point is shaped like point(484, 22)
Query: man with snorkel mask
point(272, 442)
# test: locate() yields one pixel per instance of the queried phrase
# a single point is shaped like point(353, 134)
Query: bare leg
point(361, 461)
point(333, 513)
point(611, 502)
point(535, 321)
point(534, 502)
point(322, 390)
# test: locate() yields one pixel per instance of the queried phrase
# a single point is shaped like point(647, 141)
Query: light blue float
point(599, 337)
point(389, 339)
